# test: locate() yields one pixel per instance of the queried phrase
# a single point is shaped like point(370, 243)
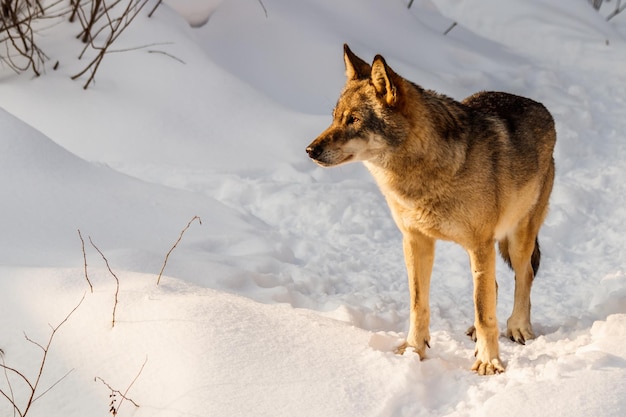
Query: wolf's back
point(528, 122)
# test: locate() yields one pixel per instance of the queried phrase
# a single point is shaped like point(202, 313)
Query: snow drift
point(289, 297)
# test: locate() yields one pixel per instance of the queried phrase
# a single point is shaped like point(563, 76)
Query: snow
point(291, 295)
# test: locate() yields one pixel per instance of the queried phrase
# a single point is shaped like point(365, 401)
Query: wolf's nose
point(314, 151)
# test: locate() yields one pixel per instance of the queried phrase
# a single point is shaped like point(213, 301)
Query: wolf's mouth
point(328, 158)
point(326, 164)
point(346, 159)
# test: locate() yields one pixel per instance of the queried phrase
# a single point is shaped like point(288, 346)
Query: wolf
point(476, 172)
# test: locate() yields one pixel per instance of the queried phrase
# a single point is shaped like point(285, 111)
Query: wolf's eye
point(351, 120)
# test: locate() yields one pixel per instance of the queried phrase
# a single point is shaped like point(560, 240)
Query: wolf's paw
point(420, 349)
point(520, 335)
point(487, 353)
point(519, 331)
point(492, 367)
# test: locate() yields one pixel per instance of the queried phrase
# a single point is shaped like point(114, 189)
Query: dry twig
point(113, 26)
point(175, 244)
point(117, 280)
point(85, 260)
point(155, 7)
point(452, 26)
point(263, 6)
point(619, 7)
point(115, 409)
point(33, 386)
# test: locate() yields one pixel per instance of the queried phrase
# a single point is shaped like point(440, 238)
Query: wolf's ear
point(382, 79)
point(356, 68)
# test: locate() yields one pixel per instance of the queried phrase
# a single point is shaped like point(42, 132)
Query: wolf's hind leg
point(521, 247)
point(523, 256)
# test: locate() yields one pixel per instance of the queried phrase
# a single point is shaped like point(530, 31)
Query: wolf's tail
point(535, 258)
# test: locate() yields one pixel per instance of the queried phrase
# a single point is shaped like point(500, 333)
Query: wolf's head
point(367, 122)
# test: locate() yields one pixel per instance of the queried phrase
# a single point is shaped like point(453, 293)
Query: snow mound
point(291, 296)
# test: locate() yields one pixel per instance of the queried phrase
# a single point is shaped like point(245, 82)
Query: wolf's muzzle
point(315, 151)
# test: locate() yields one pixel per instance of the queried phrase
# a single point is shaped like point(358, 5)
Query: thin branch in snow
point(85, 260)
point(34, 385)
point(452, 26)
point(152, 51)
point(175, 244)
point(115, 408)
point(53, 385)
point(124, 396)
point(155, 7)
point(618, 9)
point(117, 280)
point(263, 6)
point(10, 396)
point(114, 26)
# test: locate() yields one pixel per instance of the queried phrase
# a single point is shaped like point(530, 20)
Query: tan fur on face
point(473, 172)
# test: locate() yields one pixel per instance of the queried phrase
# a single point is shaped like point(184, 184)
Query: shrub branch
point(33, 386)
point(175, 244)
point(114, 408)
point(85, 260)
point(112, 27)
point(117, 280)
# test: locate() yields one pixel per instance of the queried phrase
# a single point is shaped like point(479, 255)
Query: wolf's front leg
point(483, 265)
point(419, 254)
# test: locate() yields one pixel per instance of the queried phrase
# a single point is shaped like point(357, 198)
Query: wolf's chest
point(429, 216)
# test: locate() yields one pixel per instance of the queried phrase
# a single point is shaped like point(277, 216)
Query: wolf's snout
point(314, 151)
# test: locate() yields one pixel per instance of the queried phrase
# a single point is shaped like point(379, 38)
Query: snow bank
point(291, 296)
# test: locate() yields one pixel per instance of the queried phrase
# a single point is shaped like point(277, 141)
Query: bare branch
point(137, 48)
point(114, 410)
point(596, 4)
point(55, 329)
point(618, 9)
point(34, 385)
point(85, 260)
point(155, 7)
point(53, 385)
point(21, 50)
point(124, 396)
point(35, 343)
point(45, 354)
point(11, 395)
point(115, 27)
point(151, 51)
point(117, 280)
point(16, 372)
point(175, 244)
point(263, 6)
point(11, 400)
point(452, 26)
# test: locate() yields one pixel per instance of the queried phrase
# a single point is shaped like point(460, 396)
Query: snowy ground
point(289, 297)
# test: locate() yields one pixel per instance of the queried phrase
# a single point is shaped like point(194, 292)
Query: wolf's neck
point(413, 171)
point(424, 155)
